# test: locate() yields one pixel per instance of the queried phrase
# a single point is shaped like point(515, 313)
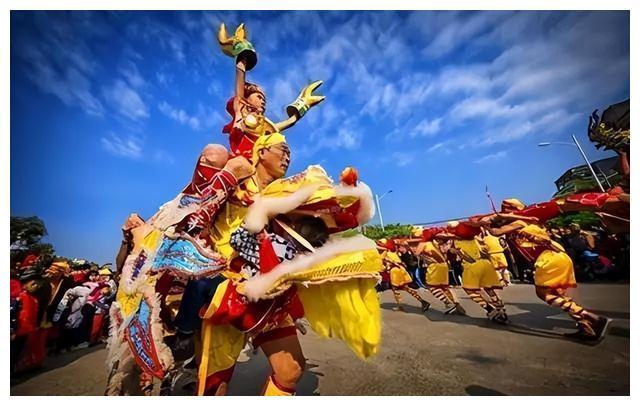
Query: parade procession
point(270, 271)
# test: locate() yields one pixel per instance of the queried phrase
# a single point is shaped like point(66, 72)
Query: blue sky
point(109, 110)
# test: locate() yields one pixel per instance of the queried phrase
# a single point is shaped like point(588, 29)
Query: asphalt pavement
point(424, 354)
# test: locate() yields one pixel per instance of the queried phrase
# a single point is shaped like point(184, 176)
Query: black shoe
point(492, 312)
point(600, 327)
point(597, 333)
point(580, 335)
point(501, 318)
point(425, 306)
point(165, 389)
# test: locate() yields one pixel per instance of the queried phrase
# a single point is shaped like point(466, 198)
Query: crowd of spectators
point(57, 306)
point(596, 254)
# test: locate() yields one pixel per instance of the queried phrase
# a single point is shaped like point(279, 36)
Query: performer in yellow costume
point(496, 250)
point(333, 286)
point(478, 275)
point(399, 278)
point(554, 272)
point(433, 250)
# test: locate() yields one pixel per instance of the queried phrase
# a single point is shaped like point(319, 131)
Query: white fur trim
point(257, 286)
point(264, 208)
point(363, 192)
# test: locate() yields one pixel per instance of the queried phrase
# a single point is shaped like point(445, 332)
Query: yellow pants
point(480, 274)
point(554, 270)
point(499, 261)
point(437, 274)
point(399, 277)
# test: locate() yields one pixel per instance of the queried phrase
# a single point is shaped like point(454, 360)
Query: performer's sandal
point(600, 327)
point(457, 309)
point(598, 330)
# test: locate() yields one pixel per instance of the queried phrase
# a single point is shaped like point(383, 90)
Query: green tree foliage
point(390, 231)
point(585, 219)
point(26, 234)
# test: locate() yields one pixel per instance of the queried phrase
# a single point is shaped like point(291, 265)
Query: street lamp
point(576, 144)
point(378, 198)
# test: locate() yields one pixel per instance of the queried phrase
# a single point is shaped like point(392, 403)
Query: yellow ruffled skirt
point(399, 277)
point(499, 261)
point(554, 270)
point(480, 274)
point(437, 274)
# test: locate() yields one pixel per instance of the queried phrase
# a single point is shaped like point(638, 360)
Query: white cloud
point(441, 147)
point(126, 101)
point(164, 157)
point(491, 157)
point(168, 39)
point(457, 32)
point(345, 138)
point(214, 88)
point(179, 115)
point(463, 79)
point(427, 127)
point(283, 93)
point(403, 158)
point(205, 118)
point(210, 118)
point(131, 73)
point(164, 78)
point(538, 84)
point(127, 147)
point(498, 86)
point(483, 107)
point(63, 72)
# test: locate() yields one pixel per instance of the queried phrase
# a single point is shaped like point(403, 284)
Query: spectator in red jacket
point(24, 351)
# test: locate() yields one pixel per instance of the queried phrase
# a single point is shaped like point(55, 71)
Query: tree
point(585, 219)
point(26, 234)
point(390, 231)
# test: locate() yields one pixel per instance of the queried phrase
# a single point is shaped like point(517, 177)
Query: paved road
point(426, 354)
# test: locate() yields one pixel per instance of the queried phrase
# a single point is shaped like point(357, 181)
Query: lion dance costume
point(241, 236)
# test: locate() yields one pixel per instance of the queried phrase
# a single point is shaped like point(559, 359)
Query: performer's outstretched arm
point(125, 248)
point(134, 220)
point(241, 67)
point(506, 229)
point(288, 123)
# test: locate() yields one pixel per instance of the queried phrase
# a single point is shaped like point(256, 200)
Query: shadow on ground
point(250, 375)
point(536, 319)
point(477, 390)
point(54, 362)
